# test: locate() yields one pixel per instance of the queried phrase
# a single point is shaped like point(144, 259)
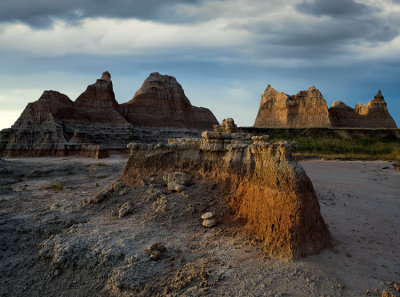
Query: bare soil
point(52, 243)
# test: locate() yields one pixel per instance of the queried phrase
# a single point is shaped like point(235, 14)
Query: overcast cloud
point(41, 13)
point(212, 37)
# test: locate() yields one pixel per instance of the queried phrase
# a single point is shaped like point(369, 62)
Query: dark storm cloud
point(350, 24)
point(41, 13)
point(336, 8)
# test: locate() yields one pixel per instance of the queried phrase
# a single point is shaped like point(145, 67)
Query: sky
point(223, 52)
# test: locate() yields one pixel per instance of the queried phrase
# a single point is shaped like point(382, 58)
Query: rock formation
point(265, 185)
point(305, 109)
point(161, 102)
point(373, 115)
point(54, 124)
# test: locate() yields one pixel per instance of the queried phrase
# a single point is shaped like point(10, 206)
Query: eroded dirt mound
point(260, 181)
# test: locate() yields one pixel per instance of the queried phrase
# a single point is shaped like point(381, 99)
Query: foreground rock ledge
point(265, 185)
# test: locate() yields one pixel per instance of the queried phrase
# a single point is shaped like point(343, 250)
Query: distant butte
point(373, 115)
point(309, 109)
point(55, 125)
point(305, 109)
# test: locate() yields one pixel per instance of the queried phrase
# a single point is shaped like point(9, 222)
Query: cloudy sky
point(223, 52)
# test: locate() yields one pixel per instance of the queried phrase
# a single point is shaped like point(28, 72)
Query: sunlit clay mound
point(264, 184)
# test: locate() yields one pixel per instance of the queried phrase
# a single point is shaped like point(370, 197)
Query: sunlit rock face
point(305, 109)
point(309, 109)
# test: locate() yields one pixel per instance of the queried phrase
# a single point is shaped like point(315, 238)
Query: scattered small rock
point(176, 187)
point(209, 223)
point(207, 215)
point(124, 191)
point(118, 185)
point(155, 251)
point(100, 196)
point(208, 220)
point(125, 210)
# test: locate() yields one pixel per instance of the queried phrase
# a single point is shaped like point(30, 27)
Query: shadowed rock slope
point(373, 115)
point(262, 184)
point(161, 102)
point(54, 124)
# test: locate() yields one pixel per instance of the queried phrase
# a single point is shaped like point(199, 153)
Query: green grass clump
point(336, 147)
point(96, 165)
point(57, 187)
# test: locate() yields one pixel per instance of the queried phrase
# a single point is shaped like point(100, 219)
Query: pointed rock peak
point(270, 90)
point(106, 76)
point(311, 91)
point(164, 87)
point(379, 95)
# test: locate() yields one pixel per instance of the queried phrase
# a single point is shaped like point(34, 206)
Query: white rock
point(207, 215)
point(209, 223)
point(176, 187)
point(125, 210)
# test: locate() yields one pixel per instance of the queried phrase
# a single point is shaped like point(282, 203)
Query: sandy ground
point(54, 244)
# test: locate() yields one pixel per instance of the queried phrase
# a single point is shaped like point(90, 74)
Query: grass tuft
point(57, 187)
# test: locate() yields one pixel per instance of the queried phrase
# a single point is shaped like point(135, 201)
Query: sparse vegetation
point(341, 143)
point(57, 187)
point(54, 187)
point(347, 148)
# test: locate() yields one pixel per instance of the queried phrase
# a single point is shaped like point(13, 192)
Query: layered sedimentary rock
point(373, 115)
point(305, 109)
point(39, 129)
point(267, 187)
point(161, 102)
point(54, 124)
